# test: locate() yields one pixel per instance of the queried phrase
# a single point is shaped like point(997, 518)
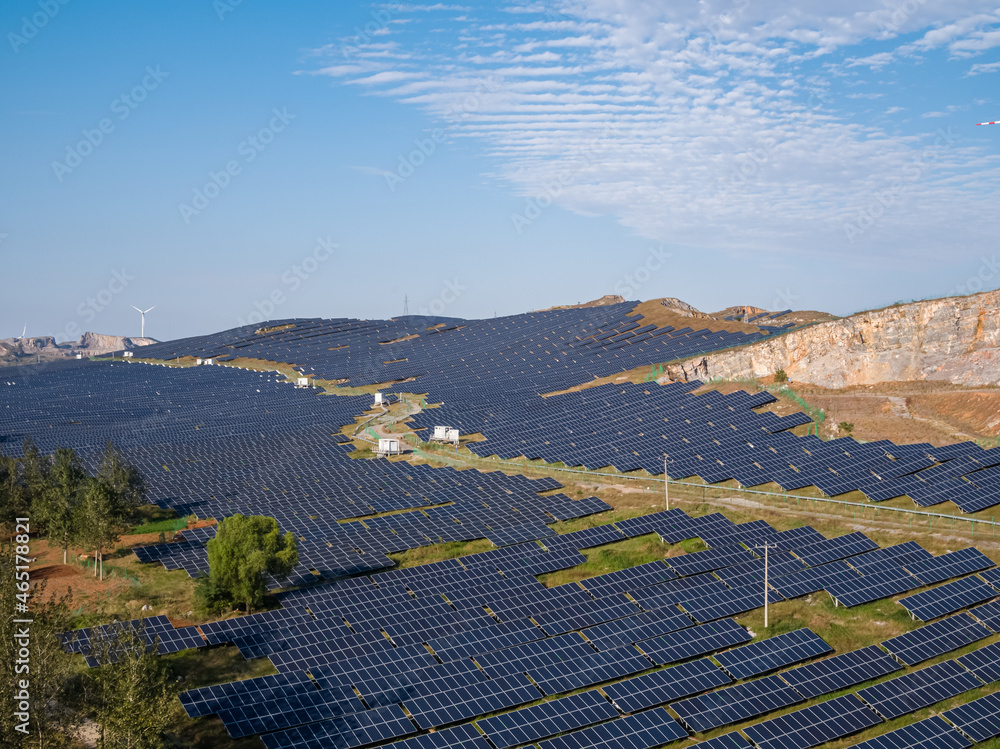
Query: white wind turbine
point(142, 314)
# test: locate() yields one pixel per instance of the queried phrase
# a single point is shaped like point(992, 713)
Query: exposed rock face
point(46, 347)
point(684, 309)
point(955, 339)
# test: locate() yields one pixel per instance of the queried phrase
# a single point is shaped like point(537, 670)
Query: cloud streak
point(721, 124)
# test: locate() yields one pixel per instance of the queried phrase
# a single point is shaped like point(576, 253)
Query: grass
point(160, 526)
point(617, 556)
point(191, 669)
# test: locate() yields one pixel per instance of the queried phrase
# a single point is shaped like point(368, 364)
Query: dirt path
point(902, 410)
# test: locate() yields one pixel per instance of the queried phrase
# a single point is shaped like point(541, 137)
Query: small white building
point(445, 434)
point(379, 400)
point(127, 354)
point(388, 446)
point(302, 382)
point(209, 362)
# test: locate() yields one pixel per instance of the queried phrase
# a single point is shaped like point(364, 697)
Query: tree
point(845, 426)
point(13, 496)
point(129, 690)
point(123, 477)
point(35, 469)
point(244, 549)
point(109, 502)
point(781, 376)
point(102, 518)
point(51, 666)
point(57, 508)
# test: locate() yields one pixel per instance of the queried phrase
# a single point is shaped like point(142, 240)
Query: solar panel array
point(489, 376)
point(455, 640)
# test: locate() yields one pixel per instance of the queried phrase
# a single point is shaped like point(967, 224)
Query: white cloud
point(716, 124)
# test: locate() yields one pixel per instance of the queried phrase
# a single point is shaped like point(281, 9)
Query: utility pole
point(765, 547)
point(666, 481)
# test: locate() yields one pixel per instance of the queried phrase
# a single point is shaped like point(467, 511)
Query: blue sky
point(488, 158)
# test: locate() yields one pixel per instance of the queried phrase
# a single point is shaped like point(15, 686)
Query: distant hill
point(45, 348)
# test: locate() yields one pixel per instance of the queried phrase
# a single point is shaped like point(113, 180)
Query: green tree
point(244, 550)
point(845, 426)
point(108, 505)
point(128, 691)
point(123, 477)
point(102, 518)
point(57, 508)
point(51, 666)
point(35, 468)
point(781, 376)
point(13, 495)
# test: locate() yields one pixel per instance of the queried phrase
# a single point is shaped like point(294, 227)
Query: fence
point(716, 494)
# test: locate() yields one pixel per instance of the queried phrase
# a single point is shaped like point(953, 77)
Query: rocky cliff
point(956, 339)
point(46, 347)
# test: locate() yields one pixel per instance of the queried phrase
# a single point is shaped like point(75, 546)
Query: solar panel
point(726, 603)
point(640, 731)
point(547, 719)
point(460, 737)
point(984, 662)
point(890, 556)
point(931, 733)
point(947, 598)
point(935, 639)
point(694, 641)
point(835, 548)
point(814, 725)
point(485, 639)
point(631, 578)
point(873, 586)
point(953, 564)
point(812, 580)
point(918, 689)
point(773, 653)
point(979, 719)
point(391, 689)
point(841, 671)
point(632, 629)
point(584, 615)
point(284, 711)
point(359, 729)
point(542, 652)
point(588, 670)
point(453, 705)
point(988, 614)
point(732, 740)
point(708, 560)
point(750, 573)
point(735, 703)
point(660, 687)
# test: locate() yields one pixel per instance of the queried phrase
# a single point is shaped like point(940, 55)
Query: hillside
point(954, 340)
point(45, 348)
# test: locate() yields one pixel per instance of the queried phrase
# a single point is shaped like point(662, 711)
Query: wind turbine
point(23, 333)
point(142, 314)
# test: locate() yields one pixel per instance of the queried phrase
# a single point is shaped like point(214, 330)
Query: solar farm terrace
point(491, 375)
point(475, 651)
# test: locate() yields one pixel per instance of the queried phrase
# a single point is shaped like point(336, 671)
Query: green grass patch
point(617, 556)
point(169, 525)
